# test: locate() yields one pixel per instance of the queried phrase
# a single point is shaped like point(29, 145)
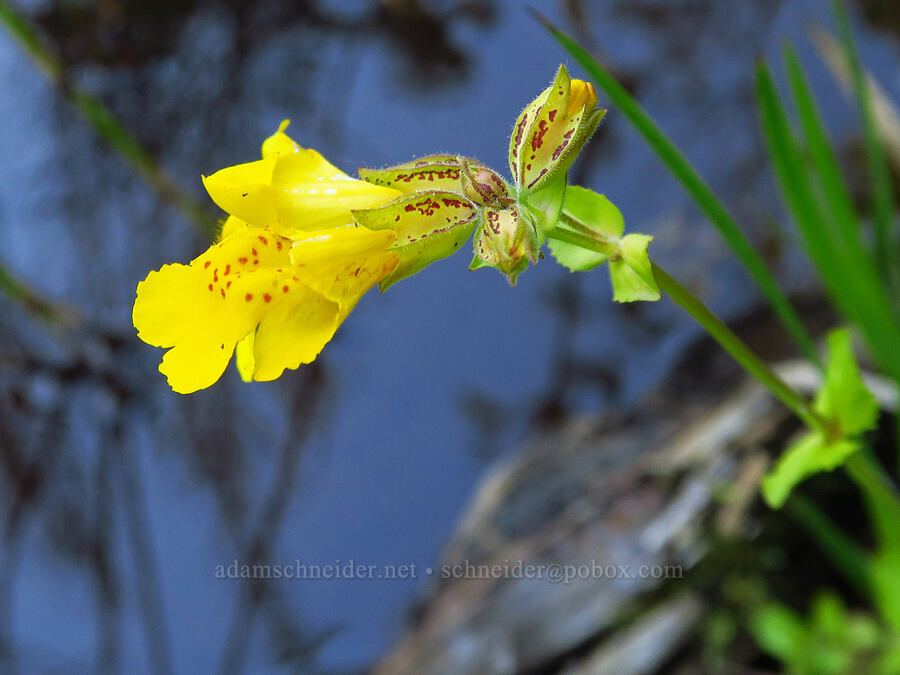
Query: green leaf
point(812, 454)
point(779, 631)
point(598, 214)
point(594, 211)
point(695, 186)
point(429, 226)
point(629, 268)
point(844, 397)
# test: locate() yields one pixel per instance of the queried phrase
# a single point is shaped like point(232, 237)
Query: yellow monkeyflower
point(289, 266)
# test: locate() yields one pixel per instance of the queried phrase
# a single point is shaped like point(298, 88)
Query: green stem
point(873, 480)
point(589, 242)
point(738, 350)
point(848, 556)
point(720, 332)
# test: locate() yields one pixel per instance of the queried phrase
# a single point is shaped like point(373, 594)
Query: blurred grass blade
point(29, 41)
point(50, 312)
point(885, 114)
point(835, 188)
point(849, 281)
point(696, 187)
point(105, 123)
point(845, 554)
point(886, 252)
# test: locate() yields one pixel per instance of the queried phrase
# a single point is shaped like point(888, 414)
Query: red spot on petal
point(286, 288)
point(210, 288)
point(206, 264)
point(256, 262)
point(243, 261)
point(227, 269)
point(267, 297)
point(279, 245)
point(228, 285)
point(253, 251)
point(223, 293)
point(248, 297)
point(265, 242)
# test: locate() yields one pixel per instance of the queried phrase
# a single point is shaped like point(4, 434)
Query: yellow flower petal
point(581, 95)
point(343, 263)
point(311, 194)
point(279, 143)
point(294, 333)
point(300, 190)
point(203, 309)
point(245, 191)
point(230, 226)
point(243, 357)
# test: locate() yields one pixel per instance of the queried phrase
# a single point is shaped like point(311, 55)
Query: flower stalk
point(716, 328)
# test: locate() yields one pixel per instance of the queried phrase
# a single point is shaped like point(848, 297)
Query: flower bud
point(482, 185)
point(551, 131)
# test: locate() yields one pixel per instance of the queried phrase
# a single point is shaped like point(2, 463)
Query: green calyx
point(429, 225)
point(551, 130)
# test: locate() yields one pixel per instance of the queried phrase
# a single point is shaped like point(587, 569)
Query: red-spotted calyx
point(506, 240)
point(551, 131)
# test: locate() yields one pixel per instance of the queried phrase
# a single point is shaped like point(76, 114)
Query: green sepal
point(544, 206)
point(435, 172)
point(630, 270)
point(844, 401)
point(583, 132)
point(548, 135)
point(533, 147)
point(506, 241)
point(477, 263)
point(429, 226)
point(595, 212)
point(522, 128)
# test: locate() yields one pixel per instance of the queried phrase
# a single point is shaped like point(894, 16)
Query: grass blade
point(886, 252)
point(105, 124)
point(854, 290)
point(824, 158)
point(696, 187)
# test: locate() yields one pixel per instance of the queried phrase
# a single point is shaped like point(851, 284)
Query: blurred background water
point(121, 498)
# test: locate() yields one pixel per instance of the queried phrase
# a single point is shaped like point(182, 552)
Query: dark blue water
point(371, 455)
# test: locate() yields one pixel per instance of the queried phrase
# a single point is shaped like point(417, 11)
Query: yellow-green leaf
point(812, 454)
point(595, 212)
point(844, 397)
point(629, 268)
